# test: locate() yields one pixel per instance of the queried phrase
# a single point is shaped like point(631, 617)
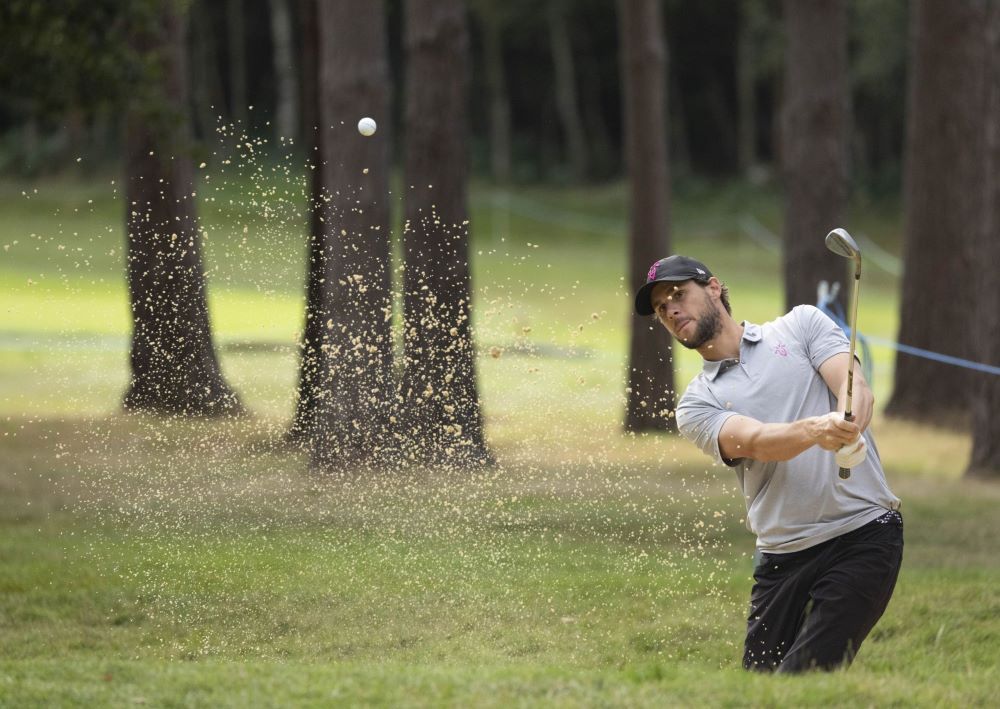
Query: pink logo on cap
point(652, 271)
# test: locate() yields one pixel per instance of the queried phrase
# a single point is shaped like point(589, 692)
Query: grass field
point(189, 563)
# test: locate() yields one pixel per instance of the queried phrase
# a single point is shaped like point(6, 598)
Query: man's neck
point(725, 345)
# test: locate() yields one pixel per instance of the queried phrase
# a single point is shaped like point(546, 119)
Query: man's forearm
point(780, 441)
point(834, 373)
point(862, 402)
point(744, 437)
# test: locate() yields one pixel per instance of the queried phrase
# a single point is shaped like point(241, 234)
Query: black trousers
point(812, 609)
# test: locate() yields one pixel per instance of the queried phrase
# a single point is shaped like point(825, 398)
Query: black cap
point(672, 269)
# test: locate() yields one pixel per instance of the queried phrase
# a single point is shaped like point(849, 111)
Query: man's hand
point(853, 454)
point(832, 431)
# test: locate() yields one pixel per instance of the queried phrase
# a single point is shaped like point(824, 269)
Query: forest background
point(202, 505)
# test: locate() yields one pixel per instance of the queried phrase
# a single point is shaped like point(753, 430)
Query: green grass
point(192, 563)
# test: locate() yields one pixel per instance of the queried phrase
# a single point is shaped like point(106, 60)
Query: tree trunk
point(814, 144)
point(985, 459)
point(286, 100)
point(650, 392)
point(174, 368)
point(443, 421)
point(942, 201)
point(565, 89)
point(310, 358)
point(206, 83)
point(236, 31)
point(355, 377)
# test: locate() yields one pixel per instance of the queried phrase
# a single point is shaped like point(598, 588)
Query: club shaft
point(845, 473)
point(854, 340)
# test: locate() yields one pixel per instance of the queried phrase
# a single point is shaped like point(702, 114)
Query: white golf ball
point(366, 126)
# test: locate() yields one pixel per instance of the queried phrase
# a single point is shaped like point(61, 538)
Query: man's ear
point(714, 287)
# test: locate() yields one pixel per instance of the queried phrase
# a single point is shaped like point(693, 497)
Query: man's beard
point(709, 325)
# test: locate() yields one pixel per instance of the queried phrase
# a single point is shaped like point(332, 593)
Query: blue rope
point(927, 354)
point(837, 315)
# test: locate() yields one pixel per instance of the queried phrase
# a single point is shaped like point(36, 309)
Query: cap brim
point(643, 304)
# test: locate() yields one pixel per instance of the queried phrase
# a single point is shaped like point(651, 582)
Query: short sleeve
point(821, 336)
point(700, 421)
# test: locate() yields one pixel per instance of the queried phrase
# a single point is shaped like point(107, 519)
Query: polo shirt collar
point(751, 333)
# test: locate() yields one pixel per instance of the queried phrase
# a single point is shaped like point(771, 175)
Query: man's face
point(687, 311)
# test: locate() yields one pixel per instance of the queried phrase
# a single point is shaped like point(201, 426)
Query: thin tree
point(307, 15)
point(442, 422)
point(204, 71)
point(236, 45)
point(314, 329)
point(603, 158)
point(650, 392)
point(985, 458)
point(567, 101)
point(351, 278)
point(174, 368)
point(814, 143)
point(752, 20)
point(286, 106)
point(942, 193)
point(493, 17)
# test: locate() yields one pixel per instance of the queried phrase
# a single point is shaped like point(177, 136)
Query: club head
point(842, 244)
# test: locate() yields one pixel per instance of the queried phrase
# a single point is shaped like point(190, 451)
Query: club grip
point(846, 472)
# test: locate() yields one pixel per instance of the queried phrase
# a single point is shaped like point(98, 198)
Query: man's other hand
point(853, 454)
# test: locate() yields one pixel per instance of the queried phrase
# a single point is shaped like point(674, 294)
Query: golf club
point(841, 243)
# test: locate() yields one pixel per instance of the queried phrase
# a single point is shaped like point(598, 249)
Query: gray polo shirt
point(798, 503)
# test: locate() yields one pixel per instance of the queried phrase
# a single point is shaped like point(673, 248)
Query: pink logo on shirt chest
point(781, 350)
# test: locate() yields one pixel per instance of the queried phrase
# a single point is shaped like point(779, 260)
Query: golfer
point(768, 403)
